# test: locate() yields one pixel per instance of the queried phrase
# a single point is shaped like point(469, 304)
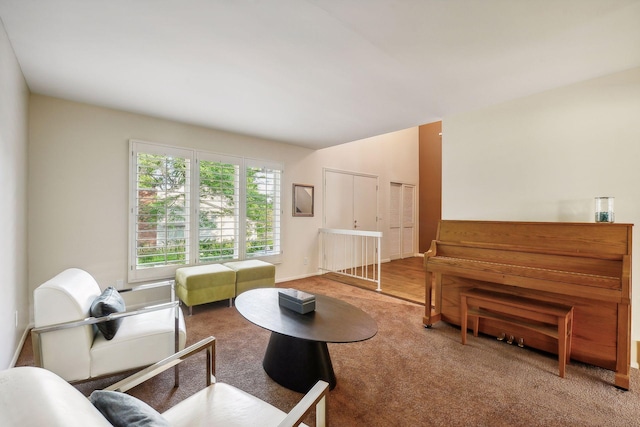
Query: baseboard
point(303, 276)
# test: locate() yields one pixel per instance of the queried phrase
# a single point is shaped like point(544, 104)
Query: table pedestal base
point(298, 364)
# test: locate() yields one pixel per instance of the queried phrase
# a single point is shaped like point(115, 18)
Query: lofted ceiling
point(315, 73)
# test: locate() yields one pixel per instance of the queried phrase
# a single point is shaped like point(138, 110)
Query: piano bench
point(550, 319)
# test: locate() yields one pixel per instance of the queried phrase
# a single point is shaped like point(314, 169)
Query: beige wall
point(545, 157)
point(14, 96)
point(79, 171)
point(78, 191)
point(393, 157)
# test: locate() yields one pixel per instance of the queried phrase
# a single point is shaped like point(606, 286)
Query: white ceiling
point(315, 73)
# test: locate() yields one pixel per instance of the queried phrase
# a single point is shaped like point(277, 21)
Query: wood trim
point(430, 183)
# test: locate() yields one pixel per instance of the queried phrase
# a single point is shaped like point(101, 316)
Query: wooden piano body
point(584, 265)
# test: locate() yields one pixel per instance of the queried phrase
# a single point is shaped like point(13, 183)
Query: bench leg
point(562, 345)
point(463, 318)
point(569, 335)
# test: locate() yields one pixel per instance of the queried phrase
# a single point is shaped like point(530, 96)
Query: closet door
point(408, 220)
point(401, 242)
point(395, 221)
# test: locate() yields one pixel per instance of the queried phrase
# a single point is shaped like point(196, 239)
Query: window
point(192, 207)
point(262, 210)
point(218, 208)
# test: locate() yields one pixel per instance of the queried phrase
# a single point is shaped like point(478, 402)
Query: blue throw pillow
point(123, 410)
point(108, 302)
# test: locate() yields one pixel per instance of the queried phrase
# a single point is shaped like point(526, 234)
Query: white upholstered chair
point(32, 396)
point(67, 341)
point(221, 404)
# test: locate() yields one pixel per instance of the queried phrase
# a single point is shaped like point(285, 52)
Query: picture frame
point(303, 200)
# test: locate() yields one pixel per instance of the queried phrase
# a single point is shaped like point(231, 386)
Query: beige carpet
point(406, 374)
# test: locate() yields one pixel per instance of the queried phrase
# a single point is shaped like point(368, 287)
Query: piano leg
point(431, 302)
point(624, 348)
point(428, 281)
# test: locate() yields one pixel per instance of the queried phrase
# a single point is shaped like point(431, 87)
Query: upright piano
point(583, 265)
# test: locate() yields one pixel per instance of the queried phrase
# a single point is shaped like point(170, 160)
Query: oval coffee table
point(297, 355)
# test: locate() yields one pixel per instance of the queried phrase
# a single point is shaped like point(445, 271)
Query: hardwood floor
point(401, 278)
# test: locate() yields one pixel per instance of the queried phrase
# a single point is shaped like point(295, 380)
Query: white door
point(350, 201)
point(365, 203)
point(338, 200)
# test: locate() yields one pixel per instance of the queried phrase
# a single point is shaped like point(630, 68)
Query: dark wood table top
point(333, 321)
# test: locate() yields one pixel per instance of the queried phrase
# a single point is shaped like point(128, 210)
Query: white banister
point(352, 253)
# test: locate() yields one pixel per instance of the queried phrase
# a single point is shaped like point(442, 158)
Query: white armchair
point(221, 404)
point(67, 342)
point(32, 396)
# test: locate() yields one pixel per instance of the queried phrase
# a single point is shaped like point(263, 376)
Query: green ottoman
point(253, 274)
point(201, 284)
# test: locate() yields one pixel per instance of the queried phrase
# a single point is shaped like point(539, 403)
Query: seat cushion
point(204, 276)
point(253, 273)
point(205, 283)
point(223, 405)
point(142, 340)
point(32, 396)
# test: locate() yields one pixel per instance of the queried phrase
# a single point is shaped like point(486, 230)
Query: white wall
point(78, 191)
point(393, 157)
point(14, 96)
point(545, 157)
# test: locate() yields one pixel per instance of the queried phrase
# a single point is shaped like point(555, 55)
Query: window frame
point(195, 157)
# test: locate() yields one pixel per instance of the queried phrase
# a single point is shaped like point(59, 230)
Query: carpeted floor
point(406, 374)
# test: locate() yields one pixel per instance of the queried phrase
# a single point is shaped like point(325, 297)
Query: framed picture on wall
point(302, 200)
